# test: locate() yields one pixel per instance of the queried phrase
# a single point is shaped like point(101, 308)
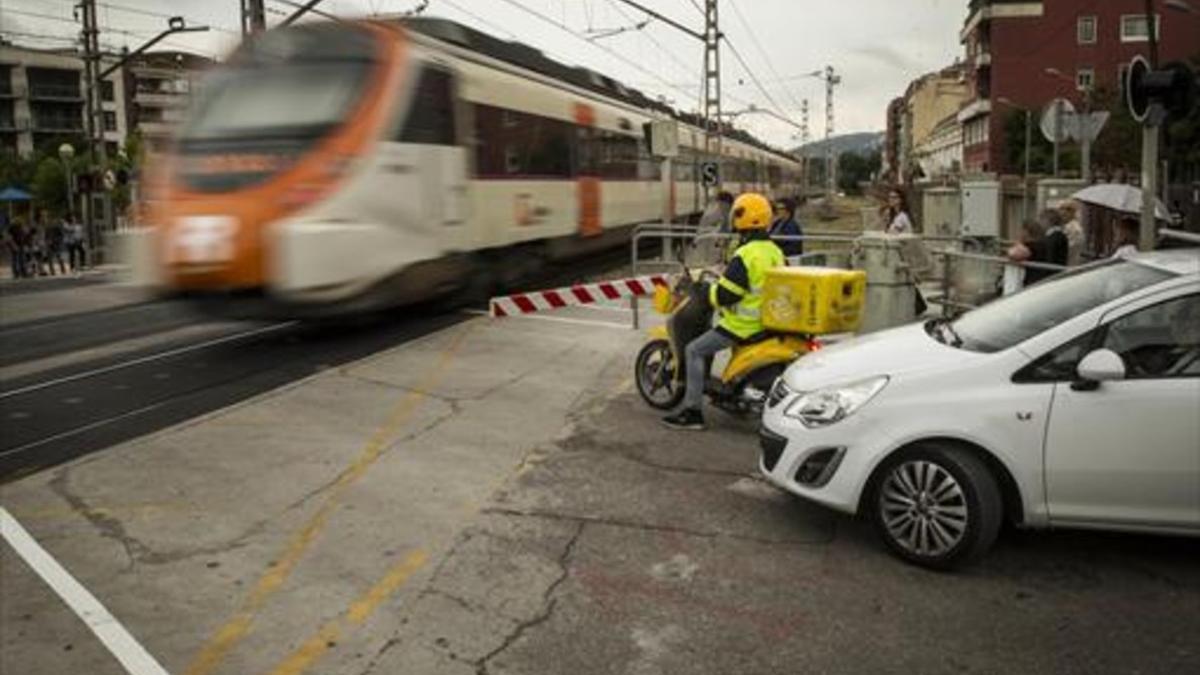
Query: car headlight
point(833, 404)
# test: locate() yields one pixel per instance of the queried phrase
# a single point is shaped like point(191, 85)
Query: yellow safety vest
point(745, 318)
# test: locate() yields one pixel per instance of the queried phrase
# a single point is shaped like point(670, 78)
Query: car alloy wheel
point(924, 508)
point(937, 504)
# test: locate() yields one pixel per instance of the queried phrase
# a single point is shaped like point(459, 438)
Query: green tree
point(1119, 144)
point(855, 169)
point(49, 186)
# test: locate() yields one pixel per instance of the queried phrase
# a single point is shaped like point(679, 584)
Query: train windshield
point(296, 83)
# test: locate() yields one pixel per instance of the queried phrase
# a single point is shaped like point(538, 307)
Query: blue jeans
point(697, 354)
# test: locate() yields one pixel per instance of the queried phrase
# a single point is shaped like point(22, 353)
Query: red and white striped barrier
point(581, 294)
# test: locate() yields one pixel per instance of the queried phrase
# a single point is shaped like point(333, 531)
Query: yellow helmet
point(751, 211)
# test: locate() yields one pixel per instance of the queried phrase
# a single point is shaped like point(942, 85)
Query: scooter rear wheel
point(655, 375)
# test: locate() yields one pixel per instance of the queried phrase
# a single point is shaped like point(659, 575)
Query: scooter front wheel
point(656, 377)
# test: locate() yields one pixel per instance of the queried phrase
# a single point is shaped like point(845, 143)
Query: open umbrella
point(1119, 197)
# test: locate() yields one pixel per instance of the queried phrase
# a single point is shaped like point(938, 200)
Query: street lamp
point(66, 152)
point(1028, 137)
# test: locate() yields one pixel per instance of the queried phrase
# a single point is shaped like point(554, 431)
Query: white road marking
point(79, 430)
point(145, 359)
point(118, 641)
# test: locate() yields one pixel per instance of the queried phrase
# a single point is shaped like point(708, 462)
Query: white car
point(1075, 403)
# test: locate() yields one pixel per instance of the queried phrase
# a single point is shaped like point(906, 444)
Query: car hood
point(899, 351)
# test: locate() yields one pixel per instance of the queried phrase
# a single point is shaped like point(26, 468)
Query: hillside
point(863, 143)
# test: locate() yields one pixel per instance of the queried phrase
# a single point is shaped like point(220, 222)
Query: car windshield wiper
point(944, 332)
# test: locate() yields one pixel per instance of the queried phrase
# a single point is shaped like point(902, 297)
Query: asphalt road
point(76, 383)
point(56, 415)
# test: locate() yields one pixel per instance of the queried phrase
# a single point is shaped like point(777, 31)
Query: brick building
point(1011, 43)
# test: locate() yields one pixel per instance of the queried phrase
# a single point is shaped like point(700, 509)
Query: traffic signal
point(1155, 95)
point(85, 182)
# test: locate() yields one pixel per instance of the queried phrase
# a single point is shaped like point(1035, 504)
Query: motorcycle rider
point(738, 299)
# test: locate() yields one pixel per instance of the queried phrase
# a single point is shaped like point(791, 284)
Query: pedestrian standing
point(1074, 231)
point(895, 213)
point(786, 225)
point(1055, 242)
point(1126, 237)
point(714, 221)
point(55, 245)
point(73, 236)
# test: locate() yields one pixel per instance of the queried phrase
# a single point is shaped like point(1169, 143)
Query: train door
point(436, 163)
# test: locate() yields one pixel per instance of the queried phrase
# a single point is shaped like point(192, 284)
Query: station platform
point(495, 498)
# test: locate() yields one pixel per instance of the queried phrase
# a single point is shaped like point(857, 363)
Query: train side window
point(514, 144)
point(431, 114)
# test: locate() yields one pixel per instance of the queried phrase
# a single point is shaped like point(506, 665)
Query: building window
point(1086, 30)
point(1134, 28)
point(106, 91)
point(1085, 79)
point(110, 121)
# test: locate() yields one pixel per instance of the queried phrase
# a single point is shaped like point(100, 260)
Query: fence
point(958, 276)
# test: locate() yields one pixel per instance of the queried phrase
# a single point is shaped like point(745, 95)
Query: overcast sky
point(877, 46)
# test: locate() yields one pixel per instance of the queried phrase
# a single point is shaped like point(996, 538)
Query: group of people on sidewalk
point(36, 249)
point(1056, 237)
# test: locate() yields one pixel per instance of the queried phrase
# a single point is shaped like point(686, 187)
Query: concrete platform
point(495, 498)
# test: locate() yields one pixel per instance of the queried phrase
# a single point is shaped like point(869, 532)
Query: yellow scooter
point(743, 386)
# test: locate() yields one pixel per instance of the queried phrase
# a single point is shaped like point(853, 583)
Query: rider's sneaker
point(690, 419)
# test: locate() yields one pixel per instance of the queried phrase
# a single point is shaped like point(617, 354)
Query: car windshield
point(1012, 320)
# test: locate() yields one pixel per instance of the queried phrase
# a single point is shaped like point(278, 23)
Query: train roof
point(525, 56)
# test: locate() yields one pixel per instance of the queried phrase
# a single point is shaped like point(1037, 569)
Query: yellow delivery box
point(813, 300)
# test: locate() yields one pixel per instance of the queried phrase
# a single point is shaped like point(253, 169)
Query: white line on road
point(131, 654)
point(145, 359)
point(79, 430)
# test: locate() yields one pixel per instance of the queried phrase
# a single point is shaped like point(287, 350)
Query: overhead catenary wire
point(763, 53)
point(157, 15)
point(671, 55)
point(620, 57)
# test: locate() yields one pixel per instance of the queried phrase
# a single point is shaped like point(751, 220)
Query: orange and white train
point(338, 167)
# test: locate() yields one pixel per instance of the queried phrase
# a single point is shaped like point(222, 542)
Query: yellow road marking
point(232, 631)
point(360, 610)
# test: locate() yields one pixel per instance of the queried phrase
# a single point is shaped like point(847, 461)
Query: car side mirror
point(1101, 365)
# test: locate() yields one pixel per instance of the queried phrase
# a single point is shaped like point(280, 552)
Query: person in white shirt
point(1074, 231)
point(895, 213)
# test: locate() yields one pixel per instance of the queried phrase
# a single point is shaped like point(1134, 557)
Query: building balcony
point(10, 125)
point(160, 100)
point(55, 92)
point(58, 124)
point(975, 109)
point(984, 12)
point(7, 90)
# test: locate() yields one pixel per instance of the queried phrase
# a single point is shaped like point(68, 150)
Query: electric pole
point(94, 115)
point(254, 17)
point(712, 87)
point(804, 138)
point(831, 80)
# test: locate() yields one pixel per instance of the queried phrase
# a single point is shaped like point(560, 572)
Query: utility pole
point(712, 86)
point(94, 115)
point(831, 81)
point(804, 138)
point(254, 17)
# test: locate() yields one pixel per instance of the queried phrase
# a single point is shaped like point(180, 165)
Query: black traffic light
point(85, 182)
point(1155, 95)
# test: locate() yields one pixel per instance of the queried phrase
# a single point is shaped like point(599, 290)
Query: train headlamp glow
point(831, 405)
